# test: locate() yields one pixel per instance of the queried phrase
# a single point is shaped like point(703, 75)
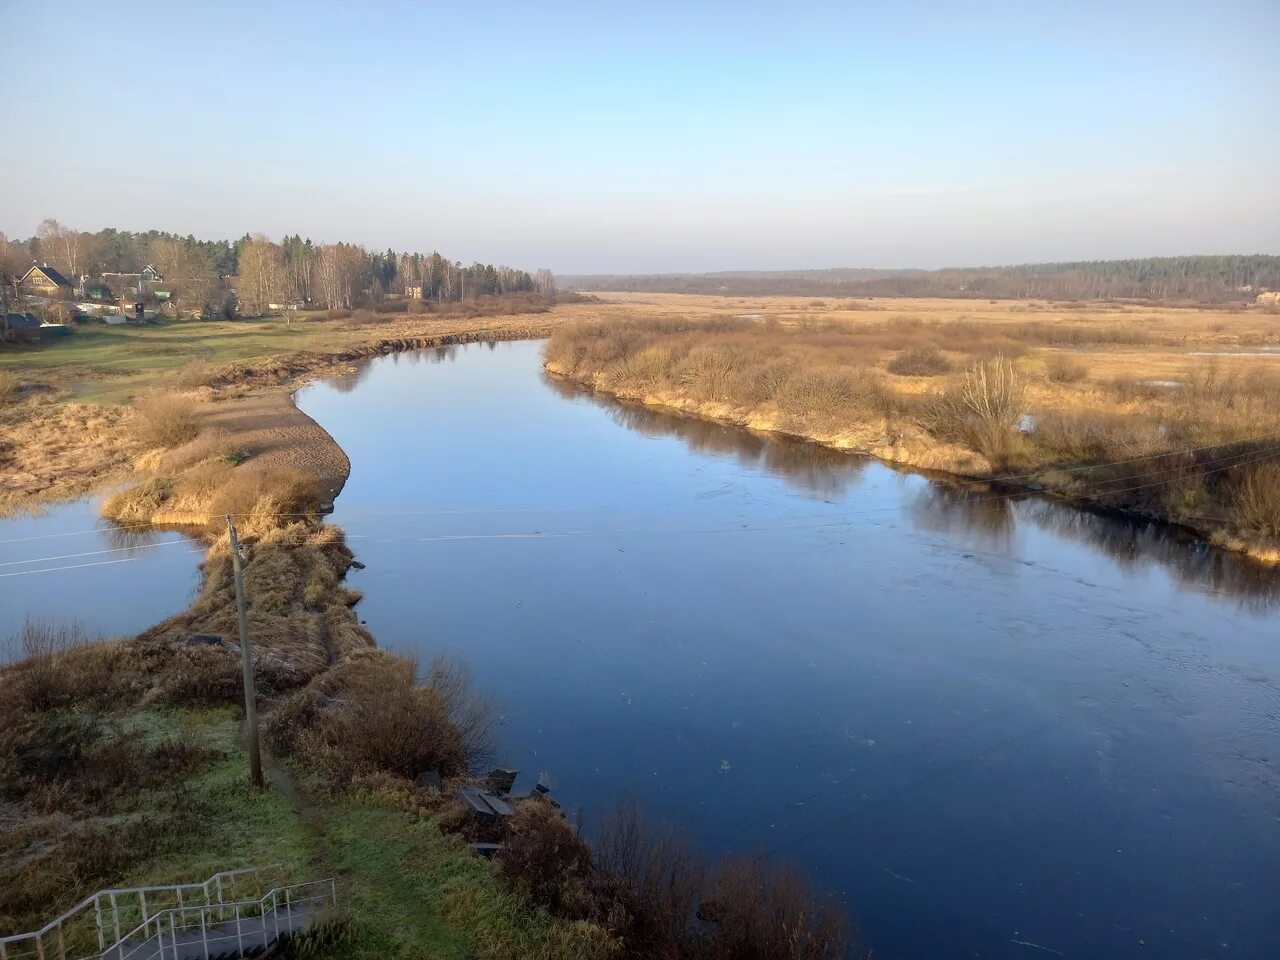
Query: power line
point(72, 566)
point(94, 553)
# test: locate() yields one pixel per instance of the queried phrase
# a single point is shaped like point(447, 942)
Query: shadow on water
point(1133, 543)
point(814, 470)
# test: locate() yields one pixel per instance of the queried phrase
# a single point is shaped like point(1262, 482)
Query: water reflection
point(1138, 544)
point(348, 380)
point(1134, 544)
point(814, 470)
point(949, 508)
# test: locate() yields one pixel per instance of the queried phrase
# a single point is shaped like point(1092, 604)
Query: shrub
point(668, 902)
point(983, 409)
point(919, 362)
point(1060, 368)
point(1255, 502)
point(370, 714)
point(165, 421)
point(544, 856)
point(9, 384)
point(470, 712)
point(45, 674)
point(192, 374)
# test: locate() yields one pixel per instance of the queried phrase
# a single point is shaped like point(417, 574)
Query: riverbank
point(990, 402)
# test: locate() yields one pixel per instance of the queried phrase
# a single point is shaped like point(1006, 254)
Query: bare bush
point(1255, 503)
point(370, 714)
point(470, 712)
point(193, 374)
point(545, 856)
point(668, 902)
point(9, 385)
point(1060, 368)
point(919, 362)
point(165, 421)
point(761, 912)
point(983, 409)
point(45, 674)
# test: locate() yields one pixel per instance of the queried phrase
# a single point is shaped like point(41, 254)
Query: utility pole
point(246, 660)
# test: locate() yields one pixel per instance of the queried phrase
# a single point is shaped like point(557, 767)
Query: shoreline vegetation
point(1009, 402)
point(123, 760)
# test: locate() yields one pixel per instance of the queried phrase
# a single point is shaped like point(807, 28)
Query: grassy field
point(1171, 412)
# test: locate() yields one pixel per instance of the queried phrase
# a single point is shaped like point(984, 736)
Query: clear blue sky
point(656, 136)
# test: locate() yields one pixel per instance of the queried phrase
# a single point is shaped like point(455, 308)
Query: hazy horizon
point(659, 139)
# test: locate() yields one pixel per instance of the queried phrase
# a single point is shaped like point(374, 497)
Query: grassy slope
point(409, 890)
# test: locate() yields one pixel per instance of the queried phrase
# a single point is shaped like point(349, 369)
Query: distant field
point(1163, 338)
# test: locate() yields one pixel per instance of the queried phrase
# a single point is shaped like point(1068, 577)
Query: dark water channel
point(997, 728)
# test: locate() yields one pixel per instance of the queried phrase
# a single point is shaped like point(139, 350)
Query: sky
point(656, 137)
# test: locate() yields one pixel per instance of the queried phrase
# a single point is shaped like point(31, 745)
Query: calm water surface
point(68, 565)
point(996, 728)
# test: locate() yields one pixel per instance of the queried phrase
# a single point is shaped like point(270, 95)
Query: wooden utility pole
point(246, 661)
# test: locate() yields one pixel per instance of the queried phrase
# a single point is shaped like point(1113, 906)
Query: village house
point(1268, 298)
point(42, 280)
point(413, 293)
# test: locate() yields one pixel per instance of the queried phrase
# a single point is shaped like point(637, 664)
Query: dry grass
point(165, 420)
point(9, 384)
point(1103, 384)
point(54, 450)
point(212, 489)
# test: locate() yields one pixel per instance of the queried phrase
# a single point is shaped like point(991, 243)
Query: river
point(66, 565)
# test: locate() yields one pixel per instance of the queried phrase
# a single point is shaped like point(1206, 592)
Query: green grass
point(237, 826)
point(102, 364)
point(409, 889)
point(396, 868)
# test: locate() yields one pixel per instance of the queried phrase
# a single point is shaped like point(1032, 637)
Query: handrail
point(93, 900)
point(273, 895)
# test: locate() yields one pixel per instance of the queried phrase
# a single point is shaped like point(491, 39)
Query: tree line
point(1205, 279)
point(259, 272)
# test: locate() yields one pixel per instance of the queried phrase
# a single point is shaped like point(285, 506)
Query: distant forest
point(334, 275)
point(1209, 279)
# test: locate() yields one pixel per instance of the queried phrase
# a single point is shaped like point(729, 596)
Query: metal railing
point(72, 934)
point(226, 928)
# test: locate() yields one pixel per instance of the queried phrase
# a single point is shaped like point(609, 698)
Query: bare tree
point(262, 274)
point(187, 270)
point(63, 245)
point(342, 270)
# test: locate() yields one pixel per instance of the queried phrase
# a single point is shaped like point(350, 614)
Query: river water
point(995, 728)
point(66, 565)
